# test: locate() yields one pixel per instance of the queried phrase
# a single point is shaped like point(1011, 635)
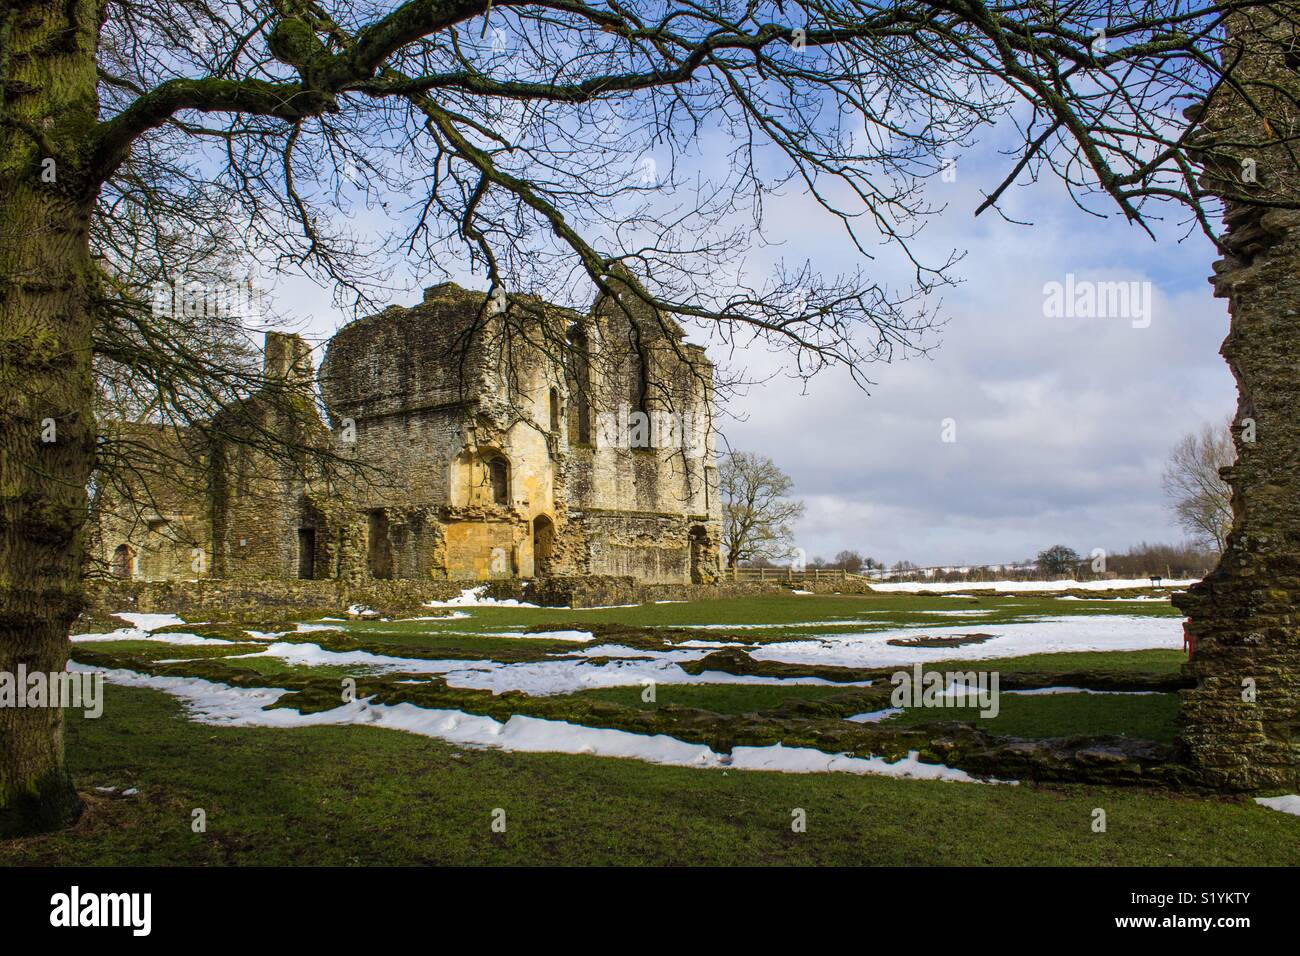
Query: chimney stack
point(287, 358)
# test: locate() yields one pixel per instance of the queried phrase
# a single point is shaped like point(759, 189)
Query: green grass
point(1149, 661)
point(354, 795)
point(159, 650)
point(436, 640)
point(719, 698)
point(1145, 717)
point(832, 613)
point(363, 796)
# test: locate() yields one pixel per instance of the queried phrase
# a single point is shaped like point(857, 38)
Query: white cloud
point(1062, 424)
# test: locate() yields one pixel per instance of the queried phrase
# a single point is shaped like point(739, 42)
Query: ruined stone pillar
point(1241, 724)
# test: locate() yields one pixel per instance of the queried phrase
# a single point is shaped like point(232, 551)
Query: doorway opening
point(307, 553)
point(543, 545)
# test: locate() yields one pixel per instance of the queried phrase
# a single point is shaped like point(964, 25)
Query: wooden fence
point(789, 574)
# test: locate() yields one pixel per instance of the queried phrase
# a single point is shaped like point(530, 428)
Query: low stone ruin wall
point(266, 600)
point(262, 600)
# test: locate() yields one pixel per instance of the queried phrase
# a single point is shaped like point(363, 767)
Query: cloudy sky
point(1061, 425)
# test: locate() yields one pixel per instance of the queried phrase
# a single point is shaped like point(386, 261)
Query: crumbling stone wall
point(266, 523)
point(152, 519)
point(485, 444)
point(1241, 723)
point(645, 485)
point(470, 416)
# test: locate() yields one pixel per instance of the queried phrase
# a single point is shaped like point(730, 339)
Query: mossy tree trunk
point(47, 432)
point(1241, 724)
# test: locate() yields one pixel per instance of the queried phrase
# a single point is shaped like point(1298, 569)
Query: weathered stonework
point(153, 522)
point(1241, 723)
point(484, 446)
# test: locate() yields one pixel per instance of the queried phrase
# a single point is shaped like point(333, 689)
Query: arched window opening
point(499, 479)
point(379, 545)
point(122, 561)
point(306, 553)
point(579, 387)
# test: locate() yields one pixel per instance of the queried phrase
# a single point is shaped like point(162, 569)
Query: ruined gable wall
point(265, 523)
point(155, 507)
point(391, 382)
point(646, 511)
point(431, 407)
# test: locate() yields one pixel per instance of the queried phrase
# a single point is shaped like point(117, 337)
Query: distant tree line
point(851, 561)
point(1188, 560)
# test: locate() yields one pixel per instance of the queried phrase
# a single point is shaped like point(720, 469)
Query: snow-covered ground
point(213, 703)
point(142, 628)
point(1288, 804)
point(629, 668)
point(613, 665)
point(474, 597)
point(1052, 635)
point(934, 587)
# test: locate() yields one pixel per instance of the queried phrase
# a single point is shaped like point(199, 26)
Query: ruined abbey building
point(484, 443)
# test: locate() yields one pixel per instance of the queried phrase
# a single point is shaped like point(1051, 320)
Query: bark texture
point(47, 431)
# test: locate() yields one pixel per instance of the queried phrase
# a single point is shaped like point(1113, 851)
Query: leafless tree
point(757, 512)
point(850, 561)
point(1200, 498)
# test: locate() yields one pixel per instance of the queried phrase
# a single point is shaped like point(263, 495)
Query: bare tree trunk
point(1241, 724)
point(47, 431)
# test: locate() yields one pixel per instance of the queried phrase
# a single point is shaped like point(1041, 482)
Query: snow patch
point(1118, 583)
point(1051, 635)
point(1287, 804)
point(875, 716)
point(473, 597)
point(218, 704)
point(628, 667)
point(136, 634)
point(149, 622)
point(1081, 690)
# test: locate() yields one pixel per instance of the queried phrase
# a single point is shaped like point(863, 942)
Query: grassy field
point(355, 795)
point(359, 796)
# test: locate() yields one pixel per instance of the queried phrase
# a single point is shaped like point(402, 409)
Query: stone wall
point(152, 521)
point(1241, 723)
point(456, 422)
point(275, 600)
point(268, 601)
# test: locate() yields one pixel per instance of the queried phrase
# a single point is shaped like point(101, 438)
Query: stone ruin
point(1241, 722)
point(469, 440)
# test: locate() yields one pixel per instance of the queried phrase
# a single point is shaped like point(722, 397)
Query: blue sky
point(1062, 425)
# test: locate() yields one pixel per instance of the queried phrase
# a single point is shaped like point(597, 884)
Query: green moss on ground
point(1039, 716)
point(359, 795)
